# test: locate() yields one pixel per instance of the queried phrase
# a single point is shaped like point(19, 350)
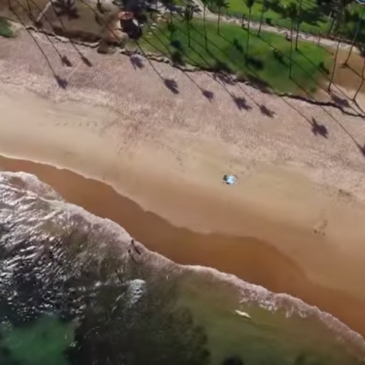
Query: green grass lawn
point(227, 51)
point(314, 19)
point(5, 29)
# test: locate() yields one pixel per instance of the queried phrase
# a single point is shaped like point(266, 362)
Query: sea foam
point(24, 198)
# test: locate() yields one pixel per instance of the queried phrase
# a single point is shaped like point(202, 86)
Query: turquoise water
point(73, 291)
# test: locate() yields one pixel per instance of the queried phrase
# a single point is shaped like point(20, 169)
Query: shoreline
point(250, 259)
point(293, 222)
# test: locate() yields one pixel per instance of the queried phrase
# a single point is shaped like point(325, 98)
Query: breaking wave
point(33, 212)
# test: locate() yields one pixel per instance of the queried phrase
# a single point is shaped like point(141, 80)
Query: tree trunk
point(334, 66)
point(331, 25)
point(298, 24)
point(205, 27)
point(219, 20)
point(29, 10)
point(319, 39)
point(261, 18)
point(362, 80)
point(189, 33)
point(248, 33)
point(291, 48)
point(354, 39)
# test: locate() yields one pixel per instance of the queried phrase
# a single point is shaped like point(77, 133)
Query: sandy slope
point(300, 192)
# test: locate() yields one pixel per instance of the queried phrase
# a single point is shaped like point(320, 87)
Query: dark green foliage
point(227, 52)
point(5, 29)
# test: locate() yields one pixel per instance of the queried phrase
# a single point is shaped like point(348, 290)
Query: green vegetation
point(315, 17)
point(267, 61)
point(5, 28)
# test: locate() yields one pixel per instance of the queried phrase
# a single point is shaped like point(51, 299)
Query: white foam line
point(250, 292)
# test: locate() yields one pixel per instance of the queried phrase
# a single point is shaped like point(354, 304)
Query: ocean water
point(74, 290)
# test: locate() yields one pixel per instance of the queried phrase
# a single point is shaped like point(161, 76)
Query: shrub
point(5, 28)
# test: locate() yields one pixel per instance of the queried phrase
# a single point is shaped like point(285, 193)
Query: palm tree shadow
point(177, 58)
point(241, 103)
point(62, 83)
point(177, 45)
point(208, 94)
point(172, 85)
point(266, 111)
point(136, 62)
point(65, 61)
point(85, 60)
point(237, 45)
point(258, 82)
point(255, 63)
point(361, 149)
point(342, 102)
point(223, 77)
point(319, 129)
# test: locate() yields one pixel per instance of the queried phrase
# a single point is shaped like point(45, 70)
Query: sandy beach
point(293, 222)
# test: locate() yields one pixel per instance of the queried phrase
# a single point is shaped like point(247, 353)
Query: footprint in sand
point(343, 194)
point(320, 227)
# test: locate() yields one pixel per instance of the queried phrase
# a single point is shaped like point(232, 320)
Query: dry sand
point(295, 220)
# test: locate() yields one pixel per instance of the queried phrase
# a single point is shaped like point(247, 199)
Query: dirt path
point(306, 37)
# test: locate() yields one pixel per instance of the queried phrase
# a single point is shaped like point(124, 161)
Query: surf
point(80, 266)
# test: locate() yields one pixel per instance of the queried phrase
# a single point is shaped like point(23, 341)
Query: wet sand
point(248, 258)
point(299, 194)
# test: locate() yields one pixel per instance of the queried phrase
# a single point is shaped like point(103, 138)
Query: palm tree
point(355, 36)
point(334, 65)
point(188, 15)
point(205, 4)
point(249, 4)
point(337, 9)
point(291, 11)
point(264, 8)
point(298, 24)
point(339, 17)
point(220, 4)
point(362, 80)
point(169, 4)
